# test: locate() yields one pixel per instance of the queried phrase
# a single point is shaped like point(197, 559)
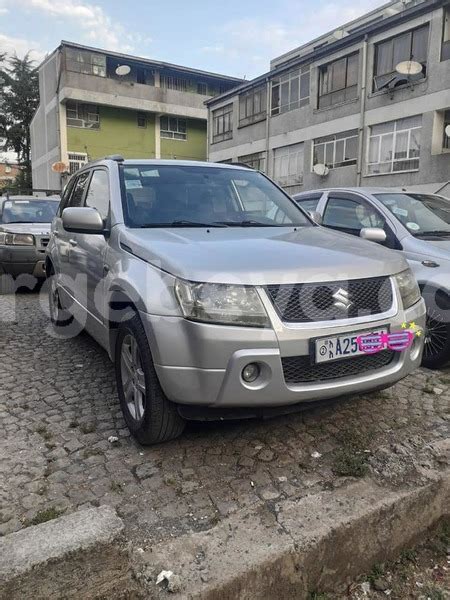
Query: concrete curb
point(319, 542)
point(81, 555)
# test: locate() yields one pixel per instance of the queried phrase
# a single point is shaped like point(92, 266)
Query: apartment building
point(337, 111)
point(94, 103)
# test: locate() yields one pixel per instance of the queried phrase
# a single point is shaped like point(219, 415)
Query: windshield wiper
point(182, 223)
point(249, 223)
point(436, 233)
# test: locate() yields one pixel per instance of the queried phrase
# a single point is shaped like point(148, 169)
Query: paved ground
point(58, 407)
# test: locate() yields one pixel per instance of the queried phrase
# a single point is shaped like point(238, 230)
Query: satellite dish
point(321, 170)
point(447, 131)
point(409, 67)
point(122, 70)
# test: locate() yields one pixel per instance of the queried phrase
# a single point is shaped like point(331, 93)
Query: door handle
point(73, 243)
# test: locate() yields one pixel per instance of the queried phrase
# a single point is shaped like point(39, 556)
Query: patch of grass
point(88, 427)
point(409, 555)
point(92, 452)
point(48, 514)
point(44, 432)
point(318, 596)
point(376, 572)
point(350, 459)
point(432, 592)
point(116, 487)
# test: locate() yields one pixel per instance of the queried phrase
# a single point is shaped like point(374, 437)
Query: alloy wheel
point(436, 334)
point(133, 378)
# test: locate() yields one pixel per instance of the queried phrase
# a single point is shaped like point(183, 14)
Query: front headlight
point(19, 239)
point(221, 303)
point(408, 287)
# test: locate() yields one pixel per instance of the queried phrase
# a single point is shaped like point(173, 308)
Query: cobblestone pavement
point(58, 407)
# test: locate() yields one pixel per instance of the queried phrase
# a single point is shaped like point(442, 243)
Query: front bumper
point(17, 260)
point(201, 364)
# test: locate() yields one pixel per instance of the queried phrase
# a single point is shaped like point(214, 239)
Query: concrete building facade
point(339, 101)
point(94, 103)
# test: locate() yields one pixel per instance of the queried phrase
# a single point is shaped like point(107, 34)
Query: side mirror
point(373, 234)
point(315, 216)
point(82, 220)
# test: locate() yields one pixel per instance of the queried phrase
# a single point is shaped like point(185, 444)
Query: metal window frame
point(174, 134)
point(287, 155)
point(336, 165)
point(219, 133)
point(297, 73)
point(393, 160)
point(329, 94)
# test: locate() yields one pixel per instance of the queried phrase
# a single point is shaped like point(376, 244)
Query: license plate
point(342, 346)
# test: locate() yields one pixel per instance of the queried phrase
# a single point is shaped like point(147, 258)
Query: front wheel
point(436, 353)
point(150, 416)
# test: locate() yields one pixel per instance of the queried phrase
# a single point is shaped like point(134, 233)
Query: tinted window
point(351, 215)
point(98, 193)
point(170, 195)
point(308, 203)
point(76, 199)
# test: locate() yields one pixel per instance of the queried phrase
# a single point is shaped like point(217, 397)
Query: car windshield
point(199, 196)
point(423, 215)
point(28, 211)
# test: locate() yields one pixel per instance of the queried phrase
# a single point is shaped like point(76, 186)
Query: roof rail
point(116, 157)
point(238, 164)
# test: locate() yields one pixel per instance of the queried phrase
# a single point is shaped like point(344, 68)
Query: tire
point(150, 416)
point(436, 352)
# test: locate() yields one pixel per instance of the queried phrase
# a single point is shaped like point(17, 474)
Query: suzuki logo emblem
point(342, 299)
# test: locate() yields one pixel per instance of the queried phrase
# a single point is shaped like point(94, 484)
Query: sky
point(233, 37)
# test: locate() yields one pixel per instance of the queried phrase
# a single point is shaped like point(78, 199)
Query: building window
point(338, 150)
point(255, 161)
point(446, 124)
point(412, 45)
point(395, 147)
point(173, 128)
point(141, 119)
point(145, 76)
point(82, 61)
point(202, 89)
point(446, 37)
point(223, 124)
point(338, 81)
point(252, 106)
point(291, 90)
point(76, 161)
point(81, 115)
point(169, 82)
point(288, 164)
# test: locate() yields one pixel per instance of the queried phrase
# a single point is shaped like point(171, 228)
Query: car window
point(66, 195)
point(183, 196)
point(28, 211)
point(350, 215)
point(308, 203)
point(76, 198)
point(421, 214)
point(98, 193)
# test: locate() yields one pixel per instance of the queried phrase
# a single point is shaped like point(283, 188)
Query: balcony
point(106, 91)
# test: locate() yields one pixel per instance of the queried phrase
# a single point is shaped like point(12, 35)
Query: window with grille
point(173, 128)
point(170, 82)
point(223, 123)
point(76, 161)
point(255, 161)
point(289, 164)
point(394, 147)
point(83, 61)
point(252, 106)
point(141, 119)
point(338, 150)
point(411, 45)
point(81, 115)
point(202, 89)
point(338, 81)
point(290, 90)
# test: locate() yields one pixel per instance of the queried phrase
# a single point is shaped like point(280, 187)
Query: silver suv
point(208, 306)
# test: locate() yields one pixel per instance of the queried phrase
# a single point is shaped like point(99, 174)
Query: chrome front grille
point(298, 369)
point(330, 301)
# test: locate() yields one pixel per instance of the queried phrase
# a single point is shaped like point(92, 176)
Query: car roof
point(54, 198)
point(155, 162)
point(363, 190)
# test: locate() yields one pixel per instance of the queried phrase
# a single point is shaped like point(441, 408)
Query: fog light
point(250, 373)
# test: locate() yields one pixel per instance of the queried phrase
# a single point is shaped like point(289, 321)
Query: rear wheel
point(436, 353)
point(151, 417)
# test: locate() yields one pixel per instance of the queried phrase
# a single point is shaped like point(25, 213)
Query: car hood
point(34, 228)
point(260, 256)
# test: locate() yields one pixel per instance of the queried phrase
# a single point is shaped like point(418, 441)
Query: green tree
point(19, 99)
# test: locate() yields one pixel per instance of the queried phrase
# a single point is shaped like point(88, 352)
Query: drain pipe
point(268, 163)
point(362, 115)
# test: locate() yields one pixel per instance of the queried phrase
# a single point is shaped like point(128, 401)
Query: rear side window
point(98, 193)
point(351, 215)
point(76, 198)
